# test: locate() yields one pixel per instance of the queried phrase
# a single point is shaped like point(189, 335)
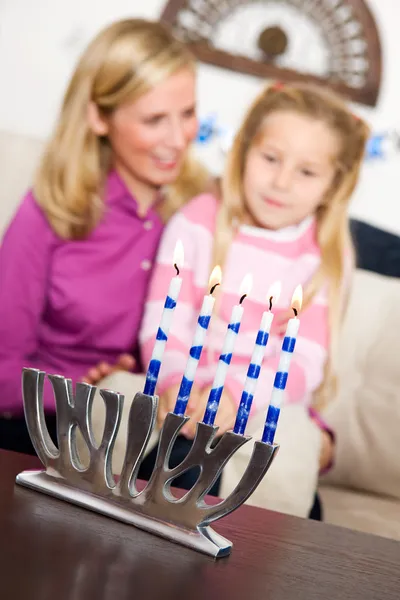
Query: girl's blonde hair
point(123, 62)
point(332, 219)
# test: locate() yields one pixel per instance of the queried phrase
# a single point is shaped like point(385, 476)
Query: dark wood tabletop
point(50, 550)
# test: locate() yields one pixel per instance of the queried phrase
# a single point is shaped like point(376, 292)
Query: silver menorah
point(184, 520)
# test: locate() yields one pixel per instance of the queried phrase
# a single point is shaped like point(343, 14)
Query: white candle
point(226, 354)
point(196, 349)
point(256, 361)
point(288, 345)
point(165, 322)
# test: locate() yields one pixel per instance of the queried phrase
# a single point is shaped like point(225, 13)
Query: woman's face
point(150, 137)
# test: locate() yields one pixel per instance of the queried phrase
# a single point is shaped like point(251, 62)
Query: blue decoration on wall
point(374, 146)
point(210, 128)
point(206, 128)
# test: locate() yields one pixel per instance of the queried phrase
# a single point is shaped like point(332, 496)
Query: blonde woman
point(290, 175)
point(76, 259)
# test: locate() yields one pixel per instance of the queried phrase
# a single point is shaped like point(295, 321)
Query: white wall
point(40, 41)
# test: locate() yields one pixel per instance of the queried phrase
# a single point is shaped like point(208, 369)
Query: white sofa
point(363, 489)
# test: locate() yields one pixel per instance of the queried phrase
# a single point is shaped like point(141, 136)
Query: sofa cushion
point(361, 511)
point(366, 412)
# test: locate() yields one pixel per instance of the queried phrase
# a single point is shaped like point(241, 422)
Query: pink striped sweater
point(290, 255)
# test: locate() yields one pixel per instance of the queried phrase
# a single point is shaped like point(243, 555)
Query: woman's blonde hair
point(123, 62)
point(332, 219)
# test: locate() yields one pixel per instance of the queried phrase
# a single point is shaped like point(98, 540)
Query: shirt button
point(148, 225)
point(145, 264)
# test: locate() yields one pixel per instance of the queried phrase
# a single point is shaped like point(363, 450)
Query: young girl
point(282, 215)
point(76, 259)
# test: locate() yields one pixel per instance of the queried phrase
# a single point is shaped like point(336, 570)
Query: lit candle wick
point(213, 288)
point(242, 298)
point(270, 302)
point(177, 269)
point(297, 300)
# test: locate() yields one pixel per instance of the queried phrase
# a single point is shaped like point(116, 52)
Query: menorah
point(184, 520)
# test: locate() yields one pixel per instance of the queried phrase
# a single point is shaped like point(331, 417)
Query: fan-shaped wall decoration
point(335, 42)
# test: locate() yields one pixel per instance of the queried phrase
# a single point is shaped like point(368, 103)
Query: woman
point(75, 261)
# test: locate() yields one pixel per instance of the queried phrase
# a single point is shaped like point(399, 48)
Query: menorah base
point(204, 539)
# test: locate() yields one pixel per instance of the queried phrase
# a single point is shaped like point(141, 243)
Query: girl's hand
point(280, 322)
point(225, 418)
point(327, 451)
point(125, 362)
point(167, 401)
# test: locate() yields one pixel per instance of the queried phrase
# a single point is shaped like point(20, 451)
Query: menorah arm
point(68, 406)
point(212, 460)
point(114, 404)
point(142, 417)
point(161, 473)
point(200, 449)
point(32, 393)
point(260, 461)
point(75, 411)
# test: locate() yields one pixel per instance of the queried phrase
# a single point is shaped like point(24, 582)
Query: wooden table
point(50, 550)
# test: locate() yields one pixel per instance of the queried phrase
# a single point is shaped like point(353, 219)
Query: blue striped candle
point(281, 376)
point(253, 372)
point(196, 349)
point(165, 323)
point(226, 354)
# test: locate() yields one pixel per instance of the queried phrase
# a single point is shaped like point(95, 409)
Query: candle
point(203, 322)
point(165, 323)
point(257, 358)
point(226, 354)
point(288, 345)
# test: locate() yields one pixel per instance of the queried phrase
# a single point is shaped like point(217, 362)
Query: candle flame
point(179, 256)
point(297, 299)
point(273, 293)
point(215, 278)
point(245, 286)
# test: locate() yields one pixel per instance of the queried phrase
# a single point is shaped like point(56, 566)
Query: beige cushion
point(361, 511)
point(290, 483)
point(366, 413)
point(19, 158)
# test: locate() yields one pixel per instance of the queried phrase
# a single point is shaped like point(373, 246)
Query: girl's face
point(150, 137)
point(289, 169)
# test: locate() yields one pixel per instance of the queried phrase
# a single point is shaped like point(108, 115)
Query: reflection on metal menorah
point(184, 520)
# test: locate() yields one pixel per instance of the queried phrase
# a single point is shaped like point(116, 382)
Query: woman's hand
point(125, 362)
point(225, 418)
